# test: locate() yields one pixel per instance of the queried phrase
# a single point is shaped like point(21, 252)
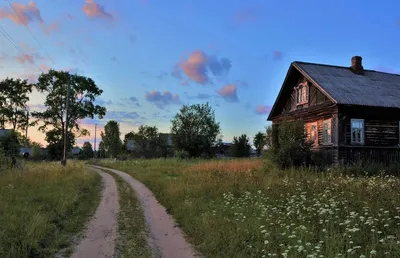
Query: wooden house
point(350, 113)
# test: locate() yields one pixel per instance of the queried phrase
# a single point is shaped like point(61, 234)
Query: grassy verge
point(132, 231)
point(44, 207)
point(245, 208)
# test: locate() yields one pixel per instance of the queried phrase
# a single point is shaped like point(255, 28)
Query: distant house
point(350, 113)
point(223, 150)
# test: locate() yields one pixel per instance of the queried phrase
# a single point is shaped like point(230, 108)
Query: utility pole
point(95, 133)
point(64, 161)
point(26, 128)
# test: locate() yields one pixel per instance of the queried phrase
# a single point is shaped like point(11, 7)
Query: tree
point(147, 137)
point(111, 138)
point(259, 142)
point(14, 96)
point(87, 150)
point(9, 145)
point(102, 150)
point(83, 92)
point(194, 129)
point(241, 146)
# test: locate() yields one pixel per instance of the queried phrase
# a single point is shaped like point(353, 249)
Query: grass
point(132, 238)
point(43, 207)
point(245, 208)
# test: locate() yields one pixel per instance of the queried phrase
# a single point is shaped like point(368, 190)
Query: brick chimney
point(356, 65)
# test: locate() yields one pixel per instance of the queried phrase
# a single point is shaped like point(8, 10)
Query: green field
point(248, 208)
point(44, 206)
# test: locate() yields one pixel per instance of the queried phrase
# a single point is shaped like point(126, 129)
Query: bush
point(10, 147)
point(289, 146)
point(181, 154)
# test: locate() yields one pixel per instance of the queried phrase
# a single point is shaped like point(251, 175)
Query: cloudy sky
point(152, 56)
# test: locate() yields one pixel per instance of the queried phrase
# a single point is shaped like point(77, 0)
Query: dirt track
point(102, 230)
point(165, 238)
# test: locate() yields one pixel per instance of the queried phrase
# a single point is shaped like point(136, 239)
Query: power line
point(30, 31)
point(10, 39)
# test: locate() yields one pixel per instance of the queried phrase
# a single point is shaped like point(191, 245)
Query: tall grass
point(44, 206)
point(241, 208)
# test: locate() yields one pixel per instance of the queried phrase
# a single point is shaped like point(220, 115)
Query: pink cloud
point(196, 67)
point(26, 13)
point(22, 58)
point(198, 64)
point(229, 93)
point(95, 10)
point(263, 109)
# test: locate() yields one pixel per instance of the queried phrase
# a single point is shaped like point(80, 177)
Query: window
point(302, 94)
point(357, 131)
point(326, 131)
point(313, 133)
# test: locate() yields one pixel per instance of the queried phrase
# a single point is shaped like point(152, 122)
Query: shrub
point(289, 146)
point(181, 154)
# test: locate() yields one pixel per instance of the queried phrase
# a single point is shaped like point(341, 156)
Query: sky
point(150, 57)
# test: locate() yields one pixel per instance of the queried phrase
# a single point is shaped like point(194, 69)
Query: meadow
point(249, 208)
point(44, 207)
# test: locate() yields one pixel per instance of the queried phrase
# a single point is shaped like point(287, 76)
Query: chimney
point(356, 65)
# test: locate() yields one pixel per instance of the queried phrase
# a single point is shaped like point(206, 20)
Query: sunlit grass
point(43, 206)
point(242, 208)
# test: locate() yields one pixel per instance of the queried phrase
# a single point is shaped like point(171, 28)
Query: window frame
point(310, 125)
point(299, 90)
point(362, 134)
point(327, 141)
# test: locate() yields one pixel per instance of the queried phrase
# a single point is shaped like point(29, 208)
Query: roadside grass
point(249, 208)
point(45, 207)
point(132, 230)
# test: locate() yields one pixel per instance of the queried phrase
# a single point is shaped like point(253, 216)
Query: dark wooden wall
point(381, 125)
point(381, 134)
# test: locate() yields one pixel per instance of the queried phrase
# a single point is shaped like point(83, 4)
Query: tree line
point(14, 111)
point(194, 129)
point(194, 133)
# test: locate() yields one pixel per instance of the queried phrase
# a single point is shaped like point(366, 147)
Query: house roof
point(342, 86)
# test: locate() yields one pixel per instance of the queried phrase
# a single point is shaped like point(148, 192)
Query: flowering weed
point(239, 208)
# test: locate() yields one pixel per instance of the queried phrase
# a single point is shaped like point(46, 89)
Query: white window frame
point(362, 134)
point(310, 125)
point(327, 137)
point(302, 90)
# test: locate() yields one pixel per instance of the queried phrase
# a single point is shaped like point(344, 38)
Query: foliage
point(194, 129)
point(55, 147)
point(259, 142)
point(111, 138)
point(289, 146)
point(44, 207)
point(241, 146)
point(14, 96)
point(181, 154)
point(101, 151)
point(87, 150)
point(36, 151)
point(10, 146)
point(146, 139)
point(238, 208)
point(83, 93)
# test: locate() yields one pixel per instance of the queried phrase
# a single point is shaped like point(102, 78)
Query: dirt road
point(166, 238)
point(102, 230)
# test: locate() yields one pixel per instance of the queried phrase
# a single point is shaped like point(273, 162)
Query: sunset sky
point(152, 56)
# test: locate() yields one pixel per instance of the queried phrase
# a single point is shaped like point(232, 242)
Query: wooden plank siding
point(318, 109)
point(381, 134)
